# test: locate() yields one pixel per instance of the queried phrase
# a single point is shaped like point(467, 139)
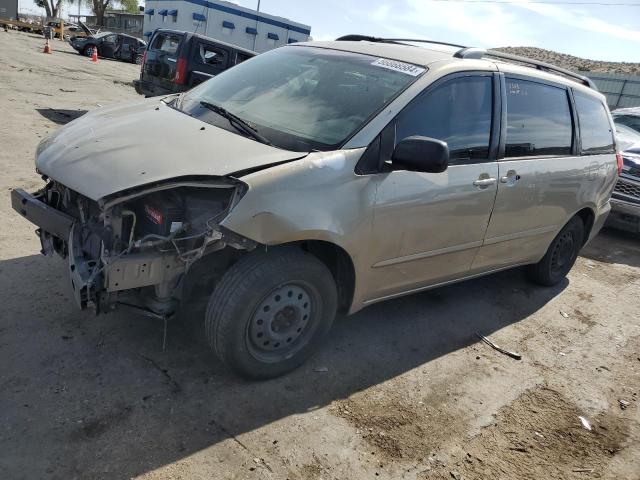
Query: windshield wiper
point(237, 122)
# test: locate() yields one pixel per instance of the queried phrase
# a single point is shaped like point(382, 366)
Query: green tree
point(130, 6)
point(52, 7)
point(99, 7)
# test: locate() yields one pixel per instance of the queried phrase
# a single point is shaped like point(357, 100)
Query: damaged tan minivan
point(325, 177)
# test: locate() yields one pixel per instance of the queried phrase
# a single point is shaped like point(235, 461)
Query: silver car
point(324, 177)
point(625, 201)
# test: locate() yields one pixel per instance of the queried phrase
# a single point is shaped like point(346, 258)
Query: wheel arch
point(587, 215)
point(339, 263)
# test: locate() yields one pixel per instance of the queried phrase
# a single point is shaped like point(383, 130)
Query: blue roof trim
point(149, 11)
point(148, 34)
point(226, 24)
point(273, 36)
point(251, 16)
point(251, 31)
point(292, 40)
point(163, 12)
point(173, 12)
point(199, 17)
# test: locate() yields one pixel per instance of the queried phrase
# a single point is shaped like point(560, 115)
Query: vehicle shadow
point(614, 246)
point(97, 397)
point(60, 116)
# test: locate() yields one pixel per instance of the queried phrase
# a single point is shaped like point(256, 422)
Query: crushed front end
point(134, 248)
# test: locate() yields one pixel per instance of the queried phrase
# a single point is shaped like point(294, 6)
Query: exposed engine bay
point(136, 248)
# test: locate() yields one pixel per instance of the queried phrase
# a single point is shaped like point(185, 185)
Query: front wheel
point(560, 256)
point(88, 50)
point(270, 312)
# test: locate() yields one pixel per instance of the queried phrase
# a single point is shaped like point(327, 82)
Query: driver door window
point(458, 112)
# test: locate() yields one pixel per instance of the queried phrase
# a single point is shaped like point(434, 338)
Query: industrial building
point(621, 90)
point(224, 21)
point(9, 9)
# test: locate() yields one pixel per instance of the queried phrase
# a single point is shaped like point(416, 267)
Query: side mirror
point(421, 154)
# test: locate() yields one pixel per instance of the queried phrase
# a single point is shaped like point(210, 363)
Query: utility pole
point(255, 37)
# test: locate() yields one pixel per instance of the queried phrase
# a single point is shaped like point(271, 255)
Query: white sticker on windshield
point(407, 68)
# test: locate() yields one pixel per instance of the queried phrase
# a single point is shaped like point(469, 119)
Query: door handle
point(511, 177)
point(484, 182)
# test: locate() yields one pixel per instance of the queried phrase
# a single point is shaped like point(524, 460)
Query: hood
point(113, 149)
point(84, 28)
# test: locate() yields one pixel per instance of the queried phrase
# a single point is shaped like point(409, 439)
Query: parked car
point(625, 201)
point(629, 117)
point(176, 61)
point(110, 45)
point(322, 177)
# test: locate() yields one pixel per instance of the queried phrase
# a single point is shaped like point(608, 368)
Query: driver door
point(428, 227)
point(108, 46)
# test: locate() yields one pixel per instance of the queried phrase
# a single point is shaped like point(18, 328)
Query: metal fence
point(620, 90)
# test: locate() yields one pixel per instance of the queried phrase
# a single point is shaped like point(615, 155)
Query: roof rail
point(481, 53)
point(477, 53)
point(365, 38)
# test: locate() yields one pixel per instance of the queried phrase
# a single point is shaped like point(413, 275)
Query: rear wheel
point(270, 312)
point(560, 256)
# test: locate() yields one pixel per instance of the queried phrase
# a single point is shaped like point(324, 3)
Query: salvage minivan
point(323, 177)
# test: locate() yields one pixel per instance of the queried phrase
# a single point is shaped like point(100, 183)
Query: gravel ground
point(403, 389)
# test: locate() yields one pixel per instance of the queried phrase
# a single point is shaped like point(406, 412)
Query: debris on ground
point(321, 369)
point(623, 404)
point(564, 314)
point(515, 355)
point(583, 470)
point(585, 423)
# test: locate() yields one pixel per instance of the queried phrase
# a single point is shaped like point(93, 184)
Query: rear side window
point(241, 57)
point(458, 112)
point(595, 130)
point(213, 56)
point(538, 120)
point(167, 42)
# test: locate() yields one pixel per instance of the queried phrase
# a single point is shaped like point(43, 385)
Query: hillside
point(573, 63)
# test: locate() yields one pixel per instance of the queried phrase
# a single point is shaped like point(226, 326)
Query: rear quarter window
point(595, 130)
point(167, 42)
point(538, 120)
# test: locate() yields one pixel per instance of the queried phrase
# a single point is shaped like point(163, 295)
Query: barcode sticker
point(396, 66)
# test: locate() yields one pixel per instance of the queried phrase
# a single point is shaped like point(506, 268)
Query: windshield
point(302, 98)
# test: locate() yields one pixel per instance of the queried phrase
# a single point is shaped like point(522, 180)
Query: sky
point(600, 32)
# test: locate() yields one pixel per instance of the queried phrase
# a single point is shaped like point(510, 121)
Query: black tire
point(294, 292)
point(88, 50)
point(560, 256)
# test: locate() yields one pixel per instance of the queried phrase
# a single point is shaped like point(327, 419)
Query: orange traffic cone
point(47, 47)
point(94, 55)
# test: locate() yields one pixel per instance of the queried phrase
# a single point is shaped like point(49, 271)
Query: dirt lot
point(401, 390)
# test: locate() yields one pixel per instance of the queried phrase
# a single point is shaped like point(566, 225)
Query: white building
point(224, 21)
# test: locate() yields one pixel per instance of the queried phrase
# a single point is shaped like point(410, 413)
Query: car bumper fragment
point(49, 219)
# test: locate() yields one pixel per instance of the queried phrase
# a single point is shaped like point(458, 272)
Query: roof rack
point(478, 53)
point(547, 67)
point(365, 38)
